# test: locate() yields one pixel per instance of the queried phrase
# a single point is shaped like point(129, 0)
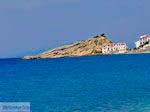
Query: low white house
point(114, 48)
point(107, 49)
point(143, 39)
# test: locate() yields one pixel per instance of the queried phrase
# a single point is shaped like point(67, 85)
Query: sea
point(110, 83)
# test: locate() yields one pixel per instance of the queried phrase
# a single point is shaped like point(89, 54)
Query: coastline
point(96, 45)
point(130, 53)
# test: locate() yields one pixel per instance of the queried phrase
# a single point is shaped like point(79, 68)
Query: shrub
point(96, 52)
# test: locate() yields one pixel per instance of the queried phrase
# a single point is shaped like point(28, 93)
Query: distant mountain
point(91, 46)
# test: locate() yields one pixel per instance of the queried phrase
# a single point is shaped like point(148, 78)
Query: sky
point(29, 27)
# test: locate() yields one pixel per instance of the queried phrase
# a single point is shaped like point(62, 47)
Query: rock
point(29, 57)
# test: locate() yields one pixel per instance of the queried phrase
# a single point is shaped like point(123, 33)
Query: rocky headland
point(91, 46)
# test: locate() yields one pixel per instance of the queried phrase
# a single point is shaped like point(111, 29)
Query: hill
point(91, 46)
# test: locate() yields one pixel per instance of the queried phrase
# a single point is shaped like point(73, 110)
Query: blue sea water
point(116, 83)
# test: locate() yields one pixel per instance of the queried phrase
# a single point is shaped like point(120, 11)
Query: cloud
point(31, 4)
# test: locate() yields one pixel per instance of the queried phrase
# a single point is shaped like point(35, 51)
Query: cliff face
point(91, 46)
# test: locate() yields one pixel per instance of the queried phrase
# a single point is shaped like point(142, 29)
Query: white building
point(114, 48)
point(143, 39)
point(107, 49)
